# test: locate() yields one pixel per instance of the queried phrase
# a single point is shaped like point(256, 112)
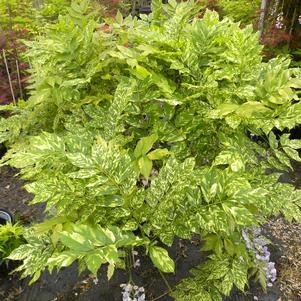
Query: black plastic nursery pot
point(6, 217)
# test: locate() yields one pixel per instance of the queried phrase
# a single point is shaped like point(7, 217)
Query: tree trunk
point(262, 17)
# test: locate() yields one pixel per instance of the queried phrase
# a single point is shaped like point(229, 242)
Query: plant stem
point(133, 256)
point(29, 63)
point(165, 281)
point(9, 78)
point(19, 79)
point(168, 286)
point(129, 265)
point(161, 296)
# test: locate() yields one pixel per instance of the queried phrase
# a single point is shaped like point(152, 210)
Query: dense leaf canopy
point(156, 128)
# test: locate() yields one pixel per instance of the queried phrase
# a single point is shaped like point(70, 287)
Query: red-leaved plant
point(13, 68)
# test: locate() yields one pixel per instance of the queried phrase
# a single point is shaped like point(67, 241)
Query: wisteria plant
point(159, 127)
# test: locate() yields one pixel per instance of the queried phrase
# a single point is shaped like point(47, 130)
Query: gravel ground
point(289, 264)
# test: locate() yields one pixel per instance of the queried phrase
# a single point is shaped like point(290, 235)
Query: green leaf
point(240, 273)
point(110, 253)
point(226, 109)
point(140, 72)
point(145, 166)
point(233, 121)
point(111, 201)
point(273, 140)
point(97, 236)
point(119, 17)
point(75, 241)
point(156, 9)
point(55, 236)
point(292, 153)
point(237, 165)
point(295, 83)
point(144, 145)
point(283, 158)
point(110, 271)
point(229, 247)
point(64, 259)
point(294, 143)
point(19, 253)
point(158, 154)
point(219, 268)
point(218, 247)
point(80, 160)
point(227, 284)
point(94, 261)
point(231, 158)
point(210, 242)
point(83, 174)
point(161, 259)
point(49, 224)
point(122, 97)
point(284, 139)
point(166, 86)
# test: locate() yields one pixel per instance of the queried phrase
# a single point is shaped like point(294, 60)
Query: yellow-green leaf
point(110, 272)
point(144, 145)
point(292, 153)
point(94, 261)
point(161, 259)
point(158, 154)
point(145, 166)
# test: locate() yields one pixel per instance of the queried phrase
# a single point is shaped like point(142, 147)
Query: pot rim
point(7, 216)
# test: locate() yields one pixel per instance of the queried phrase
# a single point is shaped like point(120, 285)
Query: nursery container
point(6, 217)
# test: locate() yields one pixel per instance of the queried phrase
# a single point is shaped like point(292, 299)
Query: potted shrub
point(162, 127)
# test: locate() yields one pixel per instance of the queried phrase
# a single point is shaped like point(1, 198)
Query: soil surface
point(67, 285)
point(14, 198)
